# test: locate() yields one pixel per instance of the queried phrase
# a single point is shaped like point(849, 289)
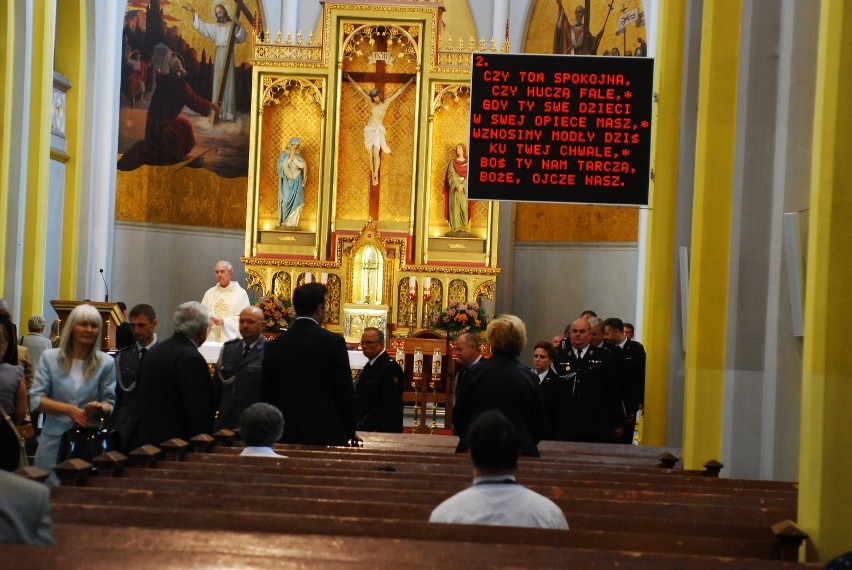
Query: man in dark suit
point(240, 369)
point(175, 391)
point(469, 354)
point(128, 360)
point(555, 390)
point(24, 511)
point(378, 387)
point(306, 375)
point(632, 373)
point(596, 331)
point(595, 413)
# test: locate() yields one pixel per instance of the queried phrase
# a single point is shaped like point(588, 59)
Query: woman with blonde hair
point(502, 383)
point(74, 384)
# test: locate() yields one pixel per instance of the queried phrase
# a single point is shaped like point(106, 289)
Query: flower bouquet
point(460, 318)
point(278, 313)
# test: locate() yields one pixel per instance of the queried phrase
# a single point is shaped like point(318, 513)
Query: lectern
point(111, 315)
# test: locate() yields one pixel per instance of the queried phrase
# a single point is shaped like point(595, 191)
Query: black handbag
point(84, 442)
point(13, 453)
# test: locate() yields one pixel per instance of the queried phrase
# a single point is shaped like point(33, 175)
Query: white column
point(97, 208)
point(14, 182)
point(498, 23)
point(650, 7)
point(270, 11)
point(290, 19)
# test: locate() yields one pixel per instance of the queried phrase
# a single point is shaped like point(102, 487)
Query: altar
point(358, 163)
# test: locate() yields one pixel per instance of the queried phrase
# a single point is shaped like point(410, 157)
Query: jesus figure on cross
point(374, 132)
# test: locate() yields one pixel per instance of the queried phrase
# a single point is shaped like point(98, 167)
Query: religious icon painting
point(184, 116)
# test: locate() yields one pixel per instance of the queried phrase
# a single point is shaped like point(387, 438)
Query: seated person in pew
point(261, 425)
point(495, 497)
point(24, 511)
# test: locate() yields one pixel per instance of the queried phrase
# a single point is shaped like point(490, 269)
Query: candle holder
point(412, 313)
point(434, 381)
point(399, 356)
point(427, 296)
point(416, 380)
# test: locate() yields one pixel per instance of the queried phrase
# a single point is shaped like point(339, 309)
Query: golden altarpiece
point(382, 245)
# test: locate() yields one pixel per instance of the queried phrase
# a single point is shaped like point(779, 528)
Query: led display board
point(556, 128)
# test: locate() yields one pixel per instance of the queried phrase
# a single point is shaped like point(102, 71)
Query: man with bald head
point(240, 366)
point(224, 300)
point(594, 413)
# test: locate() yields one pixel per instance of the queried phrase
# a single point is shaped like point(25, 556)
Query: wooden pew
point(752, 539)
point(598, 518)
point(531, 468)
point(336, 489)
point(706, 491)
point(331, 525)
point(568, 503)
point(155, 548)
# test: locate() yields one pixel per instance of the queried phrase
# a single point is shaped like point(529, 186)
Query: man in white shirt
point(225, 301)
point(261, 425)
point(495, 497)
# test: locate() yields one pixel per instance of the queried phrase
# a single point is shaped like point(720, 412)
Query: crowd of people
point(298, 388)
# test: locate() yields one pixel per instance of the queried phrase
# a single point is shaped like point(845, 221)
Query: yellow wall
point(70, 61)
point(662, 218)
point(825, 493)
point(7, 47)
point(35, 219)
point(711, 223)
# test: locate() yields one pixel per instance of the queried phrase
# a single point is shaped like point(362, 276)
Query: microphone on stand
point(106, 297)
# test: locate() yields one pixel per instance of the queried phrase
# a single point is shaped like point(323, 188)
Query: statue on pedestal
point(457, 209)
point(292, 171)
point(375, 138)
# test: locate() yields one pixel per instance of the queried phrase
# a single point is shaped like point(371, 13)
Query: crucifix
point(375, 139)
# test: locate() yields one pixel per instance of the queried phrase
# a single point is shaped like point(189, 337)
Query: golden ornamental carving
point(291, 92)
point(281, 285)
point(457, 291)
point(443, 92)
point(253, 279)
point(405, 37)
point(266, 54)
point(485, 289)
point(274, 89)
point(455, 55)
point(270, 262)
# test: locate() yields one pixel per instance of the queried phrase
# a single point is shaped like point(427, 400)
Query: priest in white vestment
point(220, 31)
point(225, 301)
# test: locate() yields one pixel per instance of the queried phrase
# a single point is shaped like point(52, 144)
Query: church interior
point(729, 273)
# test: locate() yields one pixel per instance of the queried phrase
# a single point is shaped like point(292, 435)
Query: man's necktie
point(246, 350)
